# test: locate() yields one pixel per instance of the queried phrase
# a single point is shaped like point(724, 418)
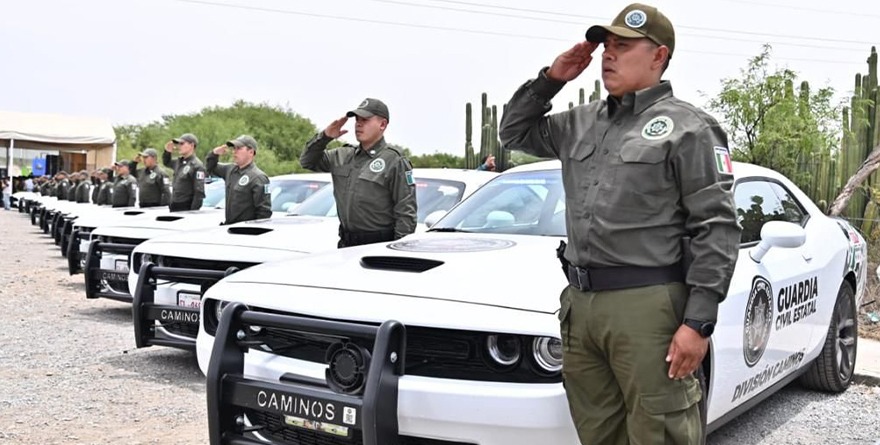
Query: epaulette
point(394, 150)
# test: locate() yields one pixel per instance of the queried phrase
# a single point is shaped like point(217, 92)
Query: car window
point(530, 203)
point(431, 195)
point(215, 194)
point(289, 192)
point(758, 202)
point(794, 212)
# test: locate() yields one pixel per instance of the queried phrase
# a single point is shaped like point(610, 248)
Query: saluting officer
point(96, 185)
point(75, 180)
point(640, 176)
point(372, 182)
point(84, 188)
point(106, 188)
point(125, 188)
point(247, 187)
point(152, 181)
point(188, 188)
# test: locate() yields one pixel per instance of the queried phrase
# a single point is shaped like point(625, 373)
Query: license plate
point(329, 428)
point(121, 265)
point(190, 300)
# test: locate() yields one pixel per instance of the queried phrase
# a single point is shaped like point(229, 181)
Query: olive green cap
point(243, 141)
point(637, 21)
point(370, 107)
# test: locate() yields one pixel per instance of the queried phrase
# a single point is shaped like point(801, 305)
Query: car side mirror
point(778, 234)
point(433, 217)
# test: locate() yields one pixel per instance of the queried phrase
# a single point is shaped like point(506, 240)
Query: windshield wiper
point(449, 229)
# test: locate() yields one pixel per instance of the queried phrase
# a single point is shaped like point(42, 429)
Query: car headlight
point(504, 349)
point(548, 353)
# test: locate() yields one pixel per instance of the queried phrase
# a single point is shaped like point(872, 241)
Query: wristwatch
point(704, 328)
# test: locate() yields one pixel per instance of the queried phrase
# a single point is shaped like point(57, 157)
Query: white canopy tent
point(38, 131)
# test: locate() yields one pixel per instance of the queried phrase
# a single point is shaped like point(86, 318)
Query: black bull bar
point(145, 312)
point(94, 274)
point(371, 410)
point(74, 256)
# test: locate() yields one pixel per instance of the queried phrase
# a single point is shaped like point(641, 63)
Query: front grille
point(430, 352)
point(276, 430)
point(120, 240)
point(189, 330)
point(191, 263)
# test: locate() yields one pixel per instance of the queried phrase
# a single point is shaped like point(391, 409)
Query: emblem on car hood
point(440, 245)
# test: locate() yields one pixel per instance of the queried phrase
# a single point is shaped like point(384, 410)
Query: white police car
point(167, 297)
point(453, 337)
point(107, 261)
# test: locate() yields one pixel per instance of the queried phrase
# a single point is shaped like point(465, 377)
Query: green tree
point(771, 123)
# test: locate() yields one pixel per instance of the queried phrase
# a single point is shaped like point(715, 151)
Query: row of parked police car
point(447, 336)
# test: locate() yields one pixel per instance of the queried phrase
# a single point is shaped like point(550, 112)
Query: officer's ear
point(383, 124)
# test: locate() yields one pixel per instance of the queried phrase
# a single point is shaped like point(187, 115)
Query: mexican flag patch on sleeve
point(722, 161)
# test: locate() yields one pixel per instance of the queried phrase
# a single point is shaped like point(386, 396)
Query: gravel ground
point(68, 374)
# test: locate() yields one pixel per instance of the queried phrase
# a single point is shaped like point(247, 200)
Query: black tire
point(833, 369)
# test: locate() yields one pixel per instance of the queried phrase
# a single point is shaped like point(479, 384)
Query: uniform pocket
point(564, 315)
point(343, 171)
point(641, 154)
point(582, 151)
point(668, 416)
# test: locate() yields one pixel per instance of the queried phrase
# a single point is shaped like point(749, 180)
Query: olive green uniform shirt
point(104, 193)
point(152, 186)
point(188, 186)
point(639, 174)
point(62, 189)
point(83, 191)
point(71, 191)
point(374, 189)
point(247, 190)
point(124, 192)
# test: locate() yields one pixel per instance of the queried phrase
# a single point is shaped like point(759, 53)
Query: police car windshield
point(288, 193)
point(215, 194)
point(431, 195)
point(525, 203)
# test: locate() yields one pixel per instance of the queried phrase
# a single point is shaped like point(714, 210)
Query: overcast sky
point(131, 61)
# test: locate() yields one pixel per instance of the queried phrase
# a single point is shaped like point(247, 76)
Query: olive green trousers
point(615, 371)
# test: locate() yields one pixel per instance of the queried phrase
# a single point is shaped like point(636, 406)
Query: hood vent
point(168, 218)
point(253, 231)
point(401, 264)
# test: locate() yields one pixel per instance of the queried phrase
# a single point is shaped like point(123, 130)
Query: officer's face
point(630, 65)
point(185, 148)
point(242, 156)
point(369, 129)
point(150, 161)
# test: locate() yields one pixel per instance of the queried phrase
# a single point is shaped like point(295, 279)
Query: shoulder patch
point(243, 181)
point(200, 175)
point(658, 128)
point(722, 161)
point(266, 189)
point(377, 166)
point(166, 181)
point(409, 178)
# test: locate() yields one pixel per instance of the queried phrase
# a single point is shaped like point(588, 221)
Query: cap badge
point(377, 166)
point(658, 128)
point(635, 18)
point(364, 104)
point(243, 181)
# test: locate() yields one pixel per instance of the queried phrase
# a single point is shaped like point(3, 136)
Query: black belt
point(350, 238)
point(624, 277)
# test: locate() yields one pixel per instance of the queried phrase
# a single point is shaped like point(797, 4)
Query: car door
point(759, 337)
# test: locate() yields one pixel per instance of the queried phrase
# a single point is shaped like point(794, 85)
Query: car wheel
point(833, 369)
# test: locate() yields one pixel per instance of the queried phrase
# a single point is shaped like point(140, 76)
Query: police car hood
point(106, 216)
point(511, 271)
point(151, 225)
point(286, 234)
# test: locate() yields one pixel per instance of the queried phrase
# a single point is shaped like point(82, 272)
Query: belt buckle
point(581, 278)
